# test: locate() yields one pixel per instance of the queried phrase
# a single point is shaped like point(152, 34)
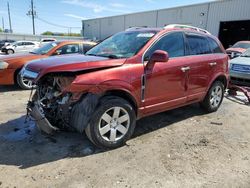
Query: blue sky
point(69, 13)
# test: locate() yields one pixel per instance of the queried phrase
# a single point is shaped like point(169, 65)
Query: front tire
point(214, 97)
point(112, 123)
point(24, 83)
point(10, 51)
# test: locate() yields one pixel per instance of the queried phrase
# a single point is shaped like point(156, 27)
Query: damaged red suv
point(132, 74)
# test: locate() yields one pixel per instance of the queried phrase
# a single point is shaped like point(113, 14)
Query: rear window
point(198, 45)
point(241, 45)
point(214, 46)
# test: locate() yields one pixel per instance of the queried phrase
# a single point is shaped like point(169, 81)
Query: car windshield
point(44, 49)
point(122, 45)
point(242, 45)
point(246, 53)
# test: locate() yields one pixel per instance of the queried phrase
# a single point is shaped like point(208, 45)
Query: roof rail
point(134, 28)
point(186, 27)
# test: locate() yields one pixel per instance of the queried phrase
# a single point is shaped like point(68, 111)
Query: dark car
point(130, 75)
point(5, 42)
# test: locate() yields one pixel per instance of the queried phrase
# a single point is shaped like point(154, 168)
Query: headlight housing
point(28, 74)
point(3, 65)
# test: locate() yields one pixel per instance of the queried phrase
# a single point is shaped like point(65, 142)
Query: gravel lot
point(178, 148)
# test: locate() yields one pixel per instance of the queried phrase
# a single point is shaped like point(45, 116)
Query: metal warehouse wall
point(12, 36)
point(206, 15)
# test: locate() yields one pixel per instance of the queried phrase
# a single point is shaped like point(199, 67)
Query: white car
point(20, 47)
point(46, 41)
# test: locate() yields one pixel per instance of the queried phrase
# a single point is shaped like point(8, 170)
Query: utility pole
point(3, 23)
point(32, 13)
point(9, 17)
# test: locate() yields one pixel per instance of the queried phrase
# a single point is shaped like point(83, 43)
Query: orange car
point(11, 65)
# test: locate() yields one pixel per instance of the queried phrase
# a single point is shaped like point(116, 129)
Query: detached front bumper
point(34, 110)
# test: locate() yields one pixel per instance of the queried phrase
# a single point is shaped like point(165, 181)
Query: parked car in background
point(240, 69)
point(46, 41)
point(237, 49)
point(20, 47)
point(5, 42)
point(130, 75)
point(11, 65)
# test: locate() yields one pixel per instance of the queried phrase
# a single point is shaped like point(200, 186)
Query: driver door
point(166, 83)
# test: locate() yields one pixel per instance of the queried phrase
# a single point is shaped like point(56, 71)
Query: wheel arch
point(123, 94)
point(221, 78)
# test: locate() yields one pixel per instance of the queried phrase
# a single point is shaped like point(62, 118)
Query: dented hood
point(71, 63)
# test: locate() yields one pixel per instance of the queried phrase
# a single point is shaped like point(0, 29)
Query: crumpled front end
point(53, 108)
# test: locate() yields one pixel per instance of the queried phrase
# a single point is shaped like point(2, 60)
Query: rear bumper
point(7, 76)
point(3, 50)
point(41, 121)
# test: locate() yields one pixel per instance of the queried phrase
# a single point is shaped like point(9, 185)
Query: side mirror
point(57, 53)
point(159, 56)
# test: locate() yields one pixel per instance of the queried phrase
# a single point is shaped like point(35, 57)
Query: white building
point(227, 19)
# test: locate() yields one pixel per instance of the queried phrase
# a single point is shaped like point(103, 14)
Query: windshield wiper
point(91, 54)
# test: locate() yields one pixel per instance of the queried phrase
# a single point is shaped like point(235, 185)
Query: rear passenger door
point(201, 63)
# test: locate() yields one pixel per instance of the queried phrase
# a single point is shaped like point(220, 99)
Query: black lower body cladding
point(82, 111)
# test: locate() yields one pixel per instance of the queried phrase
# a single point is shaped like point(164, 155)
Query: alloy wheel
point(216, 96)
point(114, 124)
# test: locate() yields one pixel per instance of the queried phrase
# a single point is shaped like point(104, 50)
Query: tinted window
point(29, 43)
point(214, 46)
point(19, 43)
point(68, 49)
point(198, 45)
point(48, 40)
point(172, 43)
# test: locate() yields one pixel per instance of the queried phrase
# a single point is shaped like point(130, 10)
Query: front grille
point(241, 68)
point(240, 81)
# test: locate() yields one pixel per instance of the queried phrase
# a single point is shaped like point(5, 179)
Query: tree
point(1, 30)
point(47, 33)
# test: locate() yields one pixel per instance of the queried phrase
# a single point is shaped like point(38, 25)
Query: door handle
point(184, 69)
point(212, 64)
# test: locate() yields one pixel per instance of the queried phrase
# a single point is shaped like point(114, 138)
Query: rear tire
point(214, 97)
point(112, 123)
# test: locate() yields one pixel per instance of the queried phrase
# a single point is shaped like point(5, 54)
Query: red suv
point(132, 74)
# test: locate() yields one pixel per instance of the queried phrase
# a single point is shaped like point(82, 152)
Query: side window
point(68, 49)
point(214, 46)
point(28, 43)
point(172, 43)
point(198, 45)
point(20, 44)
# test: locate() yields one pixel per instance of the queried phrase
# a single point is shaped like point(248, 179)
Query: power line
point(57, 25)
